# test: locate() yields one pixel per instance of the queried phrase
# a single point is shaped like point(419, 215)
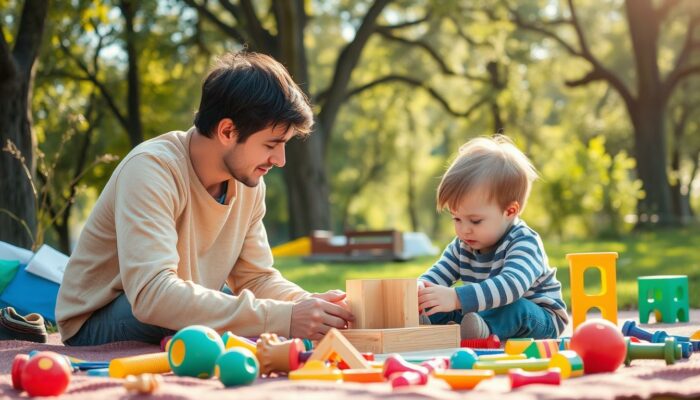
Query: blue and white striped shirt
point(517, 268)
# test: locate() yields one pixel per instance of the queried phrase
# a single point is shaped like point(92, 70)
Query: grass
point(660, 252)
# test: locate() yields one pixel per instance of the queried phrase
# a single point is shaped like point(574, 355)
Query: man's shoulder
point(168, 147)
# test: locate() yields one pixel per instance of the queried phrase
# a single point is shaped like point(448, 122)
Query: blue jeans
point(519, 319)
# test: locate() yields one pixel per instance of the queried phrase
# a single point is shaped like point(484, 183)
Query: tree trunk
point(134, 128)
point(16, 75)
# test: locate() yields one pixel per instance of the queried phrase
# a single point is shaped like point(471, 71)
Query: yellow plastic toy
point(461, 379)
point(156, 363)
point(298, 247)
point(517, 345)
point(569, 363)
point(316, 370)
point(606, 300)
point(500, 357)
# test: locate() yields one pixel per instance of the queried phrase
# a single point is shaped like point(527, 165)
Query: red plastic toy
point(600, 345)
point(46, 374)
point(17, 367)
point(518, 377)
point(395, 363)
point(491, 342)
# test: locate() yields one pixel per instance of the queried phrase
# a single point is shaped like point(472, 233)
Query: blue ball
point(463, 359)
point(238, 366)
point(193, 351)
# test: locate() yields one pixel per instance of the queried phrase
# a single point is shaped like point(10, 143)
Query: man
point(182, 215)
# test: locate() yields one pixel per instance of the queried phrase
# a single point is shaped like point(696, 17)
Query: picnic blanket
point(645, 379)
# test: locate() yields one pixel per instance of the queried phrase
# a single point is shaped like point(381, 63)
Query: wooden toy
point(237, 366)
point(278, 356)
point(491, 342)
point(519, 378)
point(335, 343)
point(363, 375)
point(569, 363)
point(665, 295)
point(518, 345)
point(463, 359)
point(231, 340)
point(194, 350)
point(342, 365)
point(544, 348)
point(386, 318)
point(600, 345)
point(606, 299)
point(18, 364)
point(156, 363)
point(669, 351)
point(502, 367)
point(407, 378)
point(462, 379)
point(316, 370)
point(395, 364)
point(143, 383)
point(46, 374)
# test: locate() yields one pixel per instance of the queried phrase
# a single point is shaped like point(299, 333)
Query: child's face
point(480, 222)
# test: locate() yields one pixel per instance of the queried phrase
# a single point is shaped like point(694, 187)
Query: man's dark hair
point(255, 92)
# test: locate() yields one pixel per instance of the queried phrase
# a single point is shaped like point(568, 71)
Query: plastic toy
point(630, 328)
point(436, 364)
point(230, 340)
point(606, 299)
point(542, 348)
point(46, 374)
point(342, 365)
point(669, 351)
point(237, 366)
point(18, 364)
point(564, 343)
point(278, 356)
point(407, 378)
point(194, 350)
point(518, 345)
point(686, 347)
point(143, 383)
point(98, 372)
point(491, 342)
point(502, 367)
point(156, 363)
point(165, 343)
point(519, 378)
point(600, 345)
point(666, 295)
point(463, 379)
point(695, 336)
point(363, 375)
point(395, 363)
point(569, 363)
point(316, 370)
point(501, 357)
point(463, 359)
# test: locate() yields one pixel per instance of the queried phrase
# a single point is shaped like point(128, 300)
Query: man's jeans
point(520, 319)
point(115, 322)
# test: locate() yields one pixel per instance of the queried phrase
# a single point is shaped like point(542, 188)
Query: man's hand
point(435, 298)
point(313, 318)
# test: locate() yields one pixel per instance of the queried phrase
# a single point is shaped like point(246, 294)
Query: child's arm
point(436, 292)
point(445, 271)
point(523, 265)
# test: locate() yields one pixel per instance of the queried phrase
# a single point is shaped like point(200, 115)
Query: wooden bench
point(358, 246)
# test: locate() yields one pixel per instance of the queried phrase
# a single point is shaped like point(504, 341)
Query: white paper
point(11, 252)
point(48, 263)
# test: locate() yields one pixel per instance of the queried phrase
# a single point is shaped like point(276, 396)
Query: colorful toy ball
point(193, 351)
point(46, 374)
point(600, 344)
point(238, 366)
point(463, 359)
point(17, 367)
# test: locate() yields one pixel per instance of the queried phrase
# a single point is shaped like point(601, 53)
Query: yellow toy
point(156, 363)
point(606, 300)
point(316, 370)
point(518, 346)
point(461, 379)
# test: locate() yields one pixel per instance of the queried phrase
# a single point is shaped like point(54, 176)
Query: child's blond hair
point(491, 163)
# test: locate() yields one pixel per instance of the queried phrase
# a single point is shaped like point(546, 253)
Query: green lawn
point(663, 252)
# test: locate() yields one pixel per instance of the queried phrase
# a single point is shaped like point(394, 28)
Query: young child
point(508, 288)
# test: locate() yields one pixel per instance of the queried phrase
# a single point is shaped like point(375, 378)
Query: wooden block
point(400, 303)
point(364, 296)
point(335, 343)
point(392, 340)
point(383, 303)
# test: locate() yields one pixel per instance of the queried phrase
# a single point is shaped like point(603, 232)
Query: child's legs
point(445, 318)
point(520, 319)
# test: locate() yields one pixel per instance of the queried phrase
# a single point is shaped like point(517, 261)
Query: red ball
point(600, 344)
point(17, 367)
point(46, 374)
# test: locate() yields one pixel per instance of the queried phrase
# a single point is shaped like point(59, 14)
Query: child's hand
point(435, 298)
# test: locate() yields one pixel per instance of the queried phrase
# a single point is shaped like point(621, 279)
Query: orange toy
point(461, 379)
point(363, 375)
point(606, 299)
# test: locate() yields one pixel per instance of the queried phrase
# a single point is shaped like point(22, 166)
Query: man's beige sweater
point(157, 235)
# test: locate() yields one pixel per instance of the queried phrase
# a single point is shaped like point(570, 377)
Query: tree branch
point(665, 8)
point(261, 36)
point(421, 44)
point(420, 84)
point(8, 68)
point(680, 70)
point(227, 29)
point(407, 24)
point(31, 29)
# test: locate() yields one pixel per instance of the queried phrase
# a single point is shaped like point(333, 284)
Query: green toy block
point(665, 295)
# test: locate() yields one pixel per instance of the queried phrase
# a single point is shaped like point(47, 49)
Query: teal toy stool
point(666, 295)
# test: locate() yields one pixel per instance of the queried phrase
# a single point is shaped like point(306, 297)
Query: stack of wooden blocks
point(386, 318)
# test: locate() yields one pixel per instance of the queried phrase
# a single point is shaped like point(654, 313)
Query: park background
point(603, 96)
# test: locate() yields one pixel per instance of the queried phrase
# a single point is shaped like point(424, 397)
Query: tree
point(647, 104)
point(18, 222)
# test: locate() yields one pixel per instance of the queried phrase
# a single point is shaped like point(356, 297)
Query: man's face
point(247, 162)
